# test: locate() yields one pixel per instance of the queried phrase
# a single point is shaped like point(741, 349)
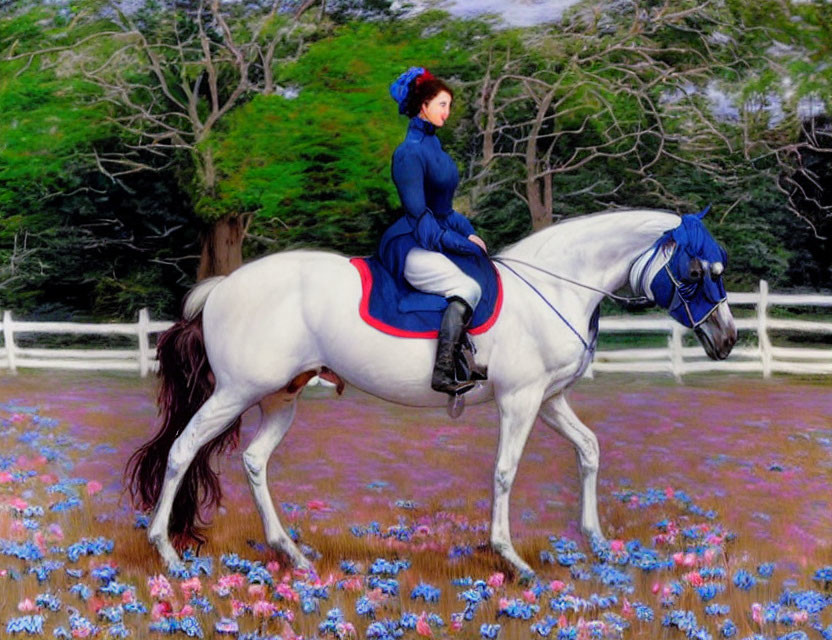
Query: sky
point(515, 13)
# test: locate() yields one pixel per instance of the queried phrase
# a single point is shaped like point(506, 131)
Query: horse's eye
point(695, 270)
point(716, 269)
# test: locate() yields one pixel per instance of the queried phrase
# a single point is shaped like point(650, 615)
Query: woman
point(414, 248)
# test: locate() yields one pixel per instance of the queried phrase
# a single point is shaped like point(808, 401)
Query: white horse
point(275, 322)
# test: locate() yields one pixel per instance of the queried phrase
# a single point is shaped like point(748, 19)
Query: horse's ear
point(704, 211)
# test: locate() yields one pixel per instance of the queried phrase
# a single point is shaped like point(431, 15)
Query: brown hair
point(422, 92)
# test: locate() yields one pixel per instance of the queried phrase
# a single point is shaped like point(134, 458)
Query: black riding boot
point(454, 322)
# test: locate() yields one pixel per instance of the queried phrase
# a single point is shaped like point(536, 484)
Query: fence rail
point(675, 358)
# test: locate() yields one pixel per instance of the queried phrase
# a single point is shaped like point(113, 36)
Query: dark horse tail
point(186, 383)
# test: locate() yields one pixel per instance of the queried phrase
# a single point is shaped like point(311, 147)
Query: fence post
point(762, 329)
point(676, 362)
point(144, 342)
point(8, 338)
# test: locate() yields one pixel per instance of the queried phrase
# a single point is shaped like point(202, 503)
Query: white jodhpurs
point(433, 272)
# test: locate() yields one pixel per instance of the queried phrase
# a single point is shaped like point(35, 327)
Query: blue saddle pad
point(408, 313)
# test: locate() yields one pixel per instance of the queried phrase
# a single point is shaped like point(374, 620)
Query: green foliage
point(314, 170)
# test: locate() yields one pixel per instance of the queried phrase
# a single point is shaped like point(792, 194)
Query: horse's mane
point(647, 222)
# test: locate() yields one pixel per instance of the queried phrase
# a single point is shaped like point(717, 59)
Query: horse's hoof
point(526, 577)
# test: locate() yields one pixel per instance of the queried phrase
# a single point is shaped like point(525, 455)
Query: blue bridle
point(689, 301)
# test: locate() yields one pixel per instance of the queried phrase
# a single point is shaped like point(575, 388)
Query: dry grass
point(756, 451)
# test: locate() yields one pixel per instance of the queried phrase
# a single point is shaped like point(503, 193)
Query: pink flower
point(627, 609)
point(56, 534)
point(355, 583)
point(263, 609)
point(456, 624)
point(694, 579)
point(617, 546)
point(160, 588)
point(226, 625)
point(801, 617)
point(528, 596)
point(317, 505)
point(669, 493)
point(93, 487)
point(128, 596)
point(257, 590)
point(5, 477)
point(273, 566)
point(422, 626)
point(557, 586)
point(185, 611)
point(238, 607)
point(26, 605)
point(710, 554)
point(18, 503)
point(503, 604)
point(191, 586)
point(495, 580)
point(656, 587)
point(226, 583)
point(345, 630)
point(286, 592)
point(757, 613)
point(161, 610)
point(562, 622)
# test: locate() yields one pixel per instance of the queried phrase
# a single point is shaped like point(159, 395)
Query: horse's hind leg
point(278, 413)
point(518, 410)
point(557, 413)
point(213, 417)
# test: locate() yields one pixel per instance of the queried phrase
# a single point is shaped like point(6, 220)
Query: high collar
point(422, 125)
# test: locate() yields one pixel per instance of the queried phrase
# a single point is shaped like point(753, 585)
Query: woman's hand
point(479, 242)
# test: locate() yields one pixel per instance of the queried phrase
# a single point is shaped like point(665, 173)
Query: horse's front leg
point(557, 414)
point(518, 410)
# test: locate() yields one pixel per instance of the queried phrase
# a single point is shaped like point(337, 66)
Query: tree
point(171, 72)
point(590, 111)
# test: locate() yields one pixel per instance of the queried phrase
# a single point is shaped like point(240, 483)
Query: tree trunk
point(222, 247)
point(539, 197)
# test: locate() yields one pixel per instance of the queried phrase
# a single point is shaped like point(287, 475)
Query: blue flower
point(365, 607)
point(744, 580)
point(766, 570)
point(728, 629)
point(489, 631)
point(643, 612)
point(385, 567)
point(384, 630)
point(48, 601)
point(118, 631)
point(81, 590)
point(717, 610)
point(350, 568)
point(518, 609)
point(32, 625)
point(824, 575)
point(710, 590)
point(425, 591)
point(389, 586)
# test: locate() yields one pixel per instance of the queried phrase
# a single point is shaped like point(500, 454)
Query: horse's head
point(687, 281)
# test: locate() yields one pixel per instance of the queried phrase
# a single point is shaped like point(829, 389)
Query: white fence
point(675, 358)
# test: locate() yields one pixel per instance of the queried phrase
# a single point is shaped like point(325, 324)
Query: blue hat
point(401, 87)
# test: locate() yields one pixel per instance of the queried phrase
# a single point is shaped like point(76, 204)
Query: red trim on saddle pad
point(364, 307)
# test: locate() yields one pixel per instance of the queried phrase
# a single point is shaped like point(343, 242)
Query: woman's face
point(437, 110)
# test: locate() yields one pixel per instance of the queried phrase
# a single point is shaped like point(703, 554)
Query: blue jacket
point(426, 178)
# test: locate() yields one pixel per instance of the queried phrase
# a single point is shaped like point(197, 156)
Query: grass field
point(702, 486)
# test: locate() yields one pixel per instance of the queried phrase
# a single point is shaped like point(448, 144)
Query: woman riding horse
point(414, 248)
